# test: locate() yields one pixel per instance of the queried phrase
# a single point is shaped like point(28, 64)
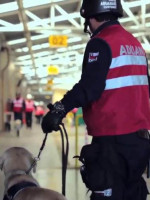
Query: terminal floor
point(48, 171)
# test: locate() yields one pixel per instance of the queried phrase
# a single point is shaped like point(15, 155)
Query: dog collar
point(15, 189)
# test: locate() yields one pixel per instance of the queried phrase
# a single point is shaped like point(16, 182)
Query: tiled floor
point(48, 171)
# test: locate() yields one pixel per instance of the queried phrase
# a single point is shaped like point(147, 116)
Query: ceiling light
point(18, 41)
point(67, 31)
point(7, 7)
point(75, 39)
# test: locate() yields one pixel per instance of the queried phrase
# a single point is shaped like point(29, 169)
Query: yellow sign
point(58, 41)
point(48, 88)
point(50, 82)
point(52, 70)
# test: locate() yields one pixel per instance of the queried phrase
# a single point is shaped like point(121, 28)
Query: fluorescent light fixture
point(78, 46)
point(45, 45)
point(61, 50)
point(27, 70)
point(8, 7)
point(41, 72)
point(18, 41)
point(4, 23)
point(43, 81)
point(18, 50)
point(34, 47)
point(44, 53)
point(37, 37)
point(26, 57)
point(146, 47)
point(67, 31)
point(75, 39)
point(29, 3)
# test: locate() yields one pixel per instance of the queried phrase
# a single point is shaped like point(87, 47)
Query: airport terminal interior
point(42, 44)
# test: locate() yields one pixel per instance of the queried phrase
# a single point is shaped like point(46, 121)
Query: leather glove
point(53, 118)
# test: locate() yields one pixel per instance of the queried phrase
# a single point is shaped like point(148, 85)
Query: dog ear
point(1, 163)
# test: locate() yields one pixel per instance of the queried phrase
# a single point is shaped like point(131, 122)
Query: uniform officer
point(18, 107)
point(114, 94)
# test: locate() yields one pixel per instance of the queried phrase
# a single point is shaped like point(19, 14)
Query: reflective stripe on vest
point(125, 81)
point(128, 60)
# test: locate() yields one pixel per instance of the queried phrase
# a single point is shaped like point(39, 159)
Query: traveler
point(18, 107)
point(29, 108)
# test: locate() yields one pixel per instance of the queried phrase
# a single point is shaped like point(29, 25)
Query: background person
point(18, 107)
point(8, 115)
point(114, 94)
point(39, 112)
point(29, 108)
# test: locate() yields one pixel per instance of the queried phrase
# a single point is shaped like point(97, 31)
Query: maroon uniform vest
point(124, 105)
point(29, 106)
point(18, 105)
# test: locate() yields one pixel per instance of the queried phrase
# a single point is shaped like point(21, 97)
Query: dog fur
point(14, 162)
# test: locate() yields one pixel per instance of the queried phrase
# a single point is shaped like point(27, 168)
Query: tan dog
point(15, 162)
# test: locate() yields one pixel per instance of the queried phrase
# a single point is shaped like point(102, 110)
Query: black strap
point(39, 154)
point(64, 157)
point(16, 188)
point(5, 197)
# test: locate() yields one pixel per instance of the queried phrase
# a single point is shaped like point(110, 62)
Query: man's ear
point(1, 163)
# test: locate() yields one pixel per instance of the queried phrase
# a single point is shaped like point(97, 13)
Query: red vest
point(39, 111)
point(29, 106)
point(124, 105)
point(18, 105)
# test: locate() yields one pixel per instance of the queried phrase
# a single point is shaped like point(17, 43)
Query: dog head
point(16, 158)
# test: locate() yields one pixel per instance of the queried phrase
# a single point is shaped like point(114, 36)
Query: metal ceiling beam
point(132, 16)
point(23, 19)
point(38, 7)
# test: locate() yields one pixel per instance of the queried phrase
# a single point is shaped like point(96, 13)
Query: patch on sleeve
point(93, 57)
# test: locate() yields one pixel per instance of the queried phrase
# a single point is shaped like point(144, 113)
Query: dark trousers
point(133, 151)
point(18, 115)
point(29, 119)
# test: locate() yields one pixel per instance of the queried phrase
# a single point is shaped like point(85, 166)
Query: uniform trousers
point(133, 151)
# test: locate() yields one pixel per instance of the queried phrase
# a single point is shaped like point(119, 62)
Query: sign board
point(52, 70)
point(48, 88)
point(58, 41)
point(50, 82)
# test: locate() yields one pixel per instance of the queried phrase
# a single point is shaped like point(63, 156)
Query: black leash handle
point(64, 157)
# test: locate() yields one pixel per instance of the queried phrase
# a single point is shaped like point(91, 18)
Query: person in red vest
point(18, 107)
point(114, 94)
point(39, 112)
point(29, 108)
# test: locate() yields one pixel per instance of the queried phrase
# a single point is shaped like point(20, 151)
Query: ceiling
point(28, 24)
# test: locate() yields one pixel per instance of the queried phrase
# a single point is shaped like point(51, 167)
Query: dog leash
point(36, 159)
point(64, 156)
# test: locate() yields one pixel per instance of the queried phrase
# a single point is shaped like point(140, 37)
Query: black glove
point(53, 118)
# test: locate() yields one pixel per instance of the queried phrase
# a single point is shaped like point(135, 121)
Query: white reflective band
point(126, 81)
point(128, 60)
point(106, 193)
